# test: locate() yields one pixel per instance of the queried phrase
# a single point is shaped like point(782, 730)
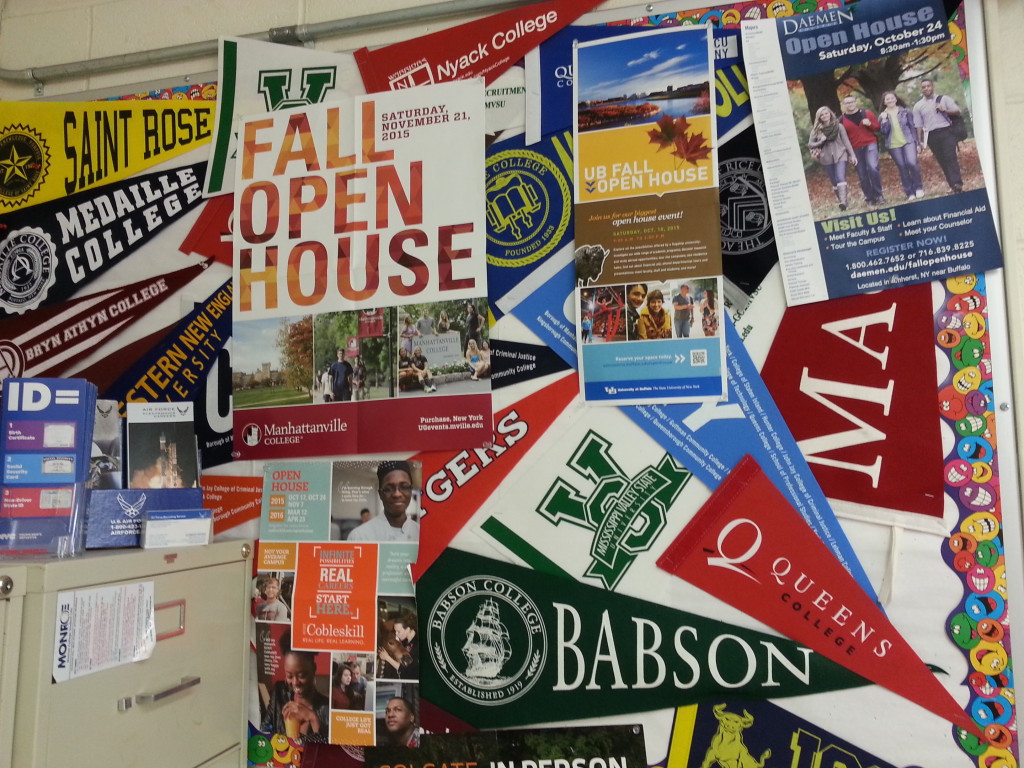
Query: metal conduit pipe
point(298, 33)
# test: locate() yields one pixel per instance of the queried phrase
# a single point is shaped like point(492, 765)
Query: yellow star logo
point(14, 165)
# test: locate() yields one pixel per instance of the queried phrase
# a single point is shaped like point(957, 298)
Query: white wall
point(39, 33)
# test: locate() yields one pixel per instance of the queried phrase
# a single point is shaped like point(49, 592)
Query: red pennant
point(749, 547)
point(233, 500)
point(487, 47)
point(861, 408)
point(456, 486)
point(210, 236)
point(51, 340)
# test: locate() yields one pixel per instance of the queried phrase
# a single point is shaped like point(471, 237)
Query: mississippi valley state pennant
point(510, 646)
point(749, 547)
point(486, 47)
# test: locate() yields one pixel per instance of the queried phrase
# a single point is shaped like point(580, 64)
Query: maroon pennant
point(51, 340)
point(862, 406)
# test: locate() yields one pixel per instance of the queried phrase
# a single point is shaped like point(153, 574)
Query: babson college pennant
point(509, 646)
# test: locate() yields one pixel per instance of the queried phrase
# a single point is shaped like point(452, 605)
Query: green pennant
point(626, 514)
point(509, 646)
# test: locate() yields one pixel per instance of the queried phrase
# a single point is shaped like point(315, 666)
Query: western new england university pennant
point(176, 367)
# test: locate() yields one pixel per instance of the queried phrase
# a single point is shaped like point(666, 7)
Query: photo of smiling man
point(393, 523)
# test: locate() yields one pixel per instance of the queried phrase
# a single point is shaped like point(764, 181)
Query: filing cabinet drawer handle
point(186, 683)
point(178, 630)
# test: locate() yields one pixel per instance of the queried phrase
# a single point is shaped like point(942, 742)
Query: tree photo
point(295, 339)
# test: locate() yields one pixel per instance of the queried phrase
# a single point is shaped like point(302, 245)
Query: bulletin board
point(584, 525)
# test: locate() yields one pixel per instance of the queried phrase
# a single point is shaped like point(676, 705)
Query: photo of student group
point(679, 309)
point(443, 347)
point(885, 132)
point(415, 350)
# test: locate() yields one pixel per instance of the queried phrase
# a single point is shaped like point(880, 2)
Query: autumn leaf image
point(688, 143)
point(692, 148)
point(668, 131)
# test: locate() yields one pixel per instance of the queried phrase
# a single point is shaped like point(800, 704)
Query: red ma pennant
point(486, 47)
point(749, 547)
point(861, 408)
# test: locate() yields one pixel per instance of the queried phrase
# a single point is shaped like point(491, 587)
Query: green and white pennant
point(509, 646)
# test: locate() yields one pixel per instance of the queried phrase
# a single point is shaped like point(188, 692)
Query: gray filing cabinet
point(184, 706)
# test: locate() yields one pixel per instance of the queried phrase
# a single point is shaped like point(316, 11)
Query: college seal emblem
point(24, 158)
point(487, 640)
point(252, 434)
point(625, 514)
point(529, 207)
point(746, 222)
point(27, 269)
point(12, 360)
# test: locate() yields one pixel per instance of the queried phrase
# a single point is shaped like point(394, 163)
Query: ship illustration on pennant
point(487, 647)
